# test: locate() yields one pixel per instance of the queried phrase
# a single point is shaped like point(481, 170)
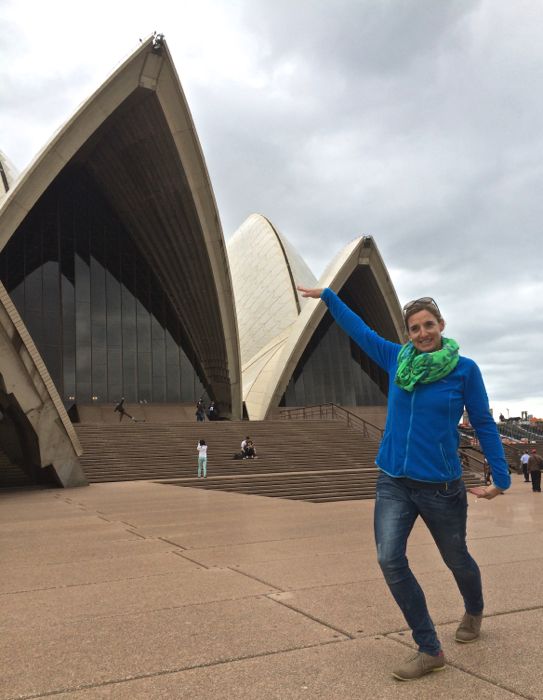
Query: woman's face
point(425, 331)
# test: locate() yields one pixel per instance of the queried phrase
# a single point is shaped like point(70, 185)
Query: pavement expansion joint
point(187, 558)
point(86, 583)
point(174, 544)
point(276, 599)
point(138, 534)
point(171, 671)
point(255, 578)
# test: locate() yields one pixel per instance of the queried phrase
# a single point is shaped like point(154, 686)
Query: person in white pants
point(202, 458)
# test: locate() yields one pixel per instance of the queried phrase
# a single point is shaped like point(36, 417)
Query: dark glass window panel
point(173, 378)
point(129, 323)
point(98, 287)
point(83, 393)
point(159, 389)
point(113, 306)
point(18, 298)
point(13, 255)
point(82, 280)
point(187, 378)
point(33, 292)
point(68, 362)
point(52, 333)
point(144, 376)
point(82, 325)
point(329, 371)
point(49, 236)
point(99, 334)
point(143, 320)
point(34, 325)
point(99, 386)
point(99, 358)
point(68, 259)
point(52, 359)
point(159, 348)
point(114, 373)
point(173, 370)
point(130, 375)
point(112, 251)
point(51, 287)
point(199, 389)
point(33, 258)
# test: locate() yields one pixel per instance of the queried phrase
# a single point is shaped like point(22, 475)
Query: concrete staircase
point(304, 460)
point(11, 475)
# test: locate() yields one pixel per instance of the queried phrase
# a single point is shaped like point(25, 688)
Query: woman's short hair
point(202, 442)
point(422, 304)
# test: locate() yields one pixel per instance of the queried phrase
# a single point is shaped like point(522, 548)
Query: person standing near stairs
point(534, 467)
point(420, 471)
point(524, 465)
point(202, 458)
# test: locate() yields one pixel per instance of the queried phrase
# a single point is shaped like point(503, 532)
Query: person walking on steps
point(119, 408)
point(420, 473)
point(202, 458)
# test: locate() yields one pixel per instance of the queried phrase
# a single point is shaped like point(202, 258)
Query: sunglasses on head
point(423, 300)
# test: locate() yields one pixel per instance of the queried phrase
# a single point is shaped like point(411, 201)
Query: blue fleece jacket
point(421, 435)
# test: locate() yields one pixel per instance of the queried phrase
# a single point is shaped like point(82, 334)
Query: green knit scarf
point(425, 367)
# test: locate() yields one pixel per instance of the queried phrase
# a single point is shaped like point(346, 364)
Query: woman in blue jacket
point(420, 470)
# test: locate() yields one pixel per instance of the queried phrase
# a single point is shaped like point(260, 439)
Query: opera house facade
point(116, 282)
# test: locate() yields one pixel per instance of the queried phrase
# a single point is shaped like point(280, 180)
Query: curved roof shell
point(8, 175)
point(265, 270)
point(360, 276)
point(135, 138)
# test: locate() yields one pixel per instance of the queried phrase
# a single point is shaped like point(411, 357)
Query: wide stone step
point(317, 461)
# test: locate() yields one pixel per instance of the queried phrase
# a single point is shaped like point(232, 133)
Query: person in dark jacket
point(430, 384)
point(534, 467)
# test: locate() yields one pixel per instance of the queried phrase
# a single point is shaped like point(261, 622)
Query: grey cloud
point(415, 121)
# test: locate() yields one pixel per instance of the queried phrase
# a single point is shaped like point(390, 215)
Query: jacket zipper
point(409, 432)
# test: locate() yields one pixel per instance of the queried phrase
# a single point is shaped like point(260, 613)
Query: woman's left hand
point(487, 492)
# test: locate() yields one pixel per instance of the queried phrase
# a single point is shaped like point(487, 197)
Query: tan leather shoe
point(469, 629)
point(418, 665)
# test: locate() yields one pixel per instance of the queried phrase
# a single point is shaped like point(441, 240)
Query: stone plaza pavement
point(145, 590)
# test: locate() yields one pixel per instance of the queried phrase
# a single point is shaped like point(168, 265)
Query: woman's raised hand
point(312, 293)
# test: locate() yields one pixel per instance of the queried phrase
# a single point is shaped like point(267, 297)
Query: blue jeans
point(396, 508)
point(202, 465)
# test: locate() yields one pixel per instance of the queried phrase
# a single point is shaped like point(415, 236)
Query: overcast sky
point(418, 122)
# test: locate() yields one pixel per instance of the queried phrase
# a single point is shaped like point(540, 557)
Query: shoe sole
point(466, 641)
point(416, 678)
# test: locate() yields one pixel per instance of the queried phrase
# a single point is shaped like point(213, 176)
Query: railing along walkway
point(331, 411)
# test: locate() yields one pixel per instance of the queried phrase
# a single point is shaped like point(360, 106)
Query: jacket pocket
point(448, 468)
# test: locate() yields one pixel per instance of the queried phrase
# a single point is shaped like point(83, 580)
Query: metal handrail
point(331, 410)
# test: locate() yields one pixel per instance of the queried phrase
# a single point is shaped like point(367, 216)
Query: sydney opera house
point(116, 281)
